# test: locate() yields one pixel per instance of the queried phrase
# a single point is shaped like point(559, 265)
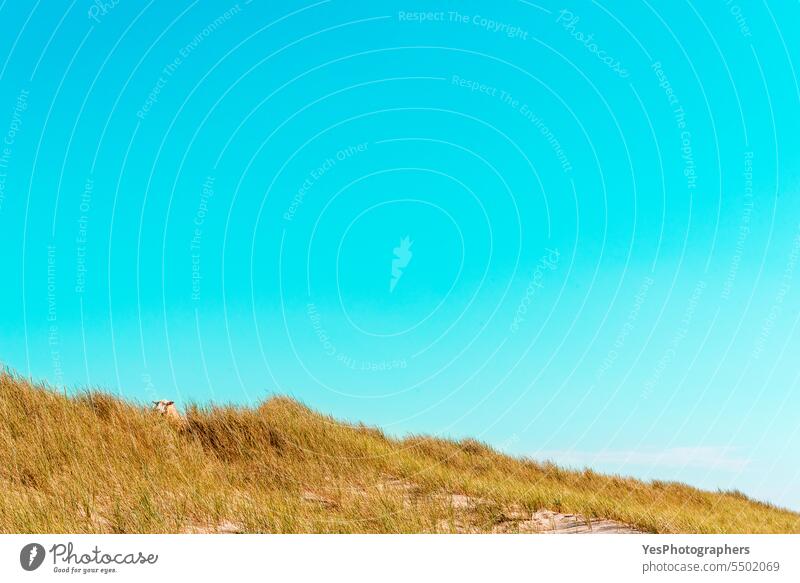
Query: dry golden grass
point(94, 463)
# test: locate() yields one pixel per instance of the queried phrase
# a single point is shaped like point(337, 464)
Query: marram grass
point(96, 464)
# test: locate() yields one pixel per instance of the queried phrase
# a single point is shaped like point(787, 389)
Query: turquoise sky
point(570, 230)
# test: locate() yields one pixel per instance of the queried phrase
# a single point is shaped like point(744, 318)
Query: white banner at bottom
point(371, 558)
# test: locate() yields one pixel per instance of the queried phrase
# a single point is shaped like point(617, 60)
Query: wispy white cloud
point(711, 457)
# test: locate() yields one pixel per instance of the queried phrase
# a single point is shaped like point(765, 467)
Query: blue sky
point(569, 230)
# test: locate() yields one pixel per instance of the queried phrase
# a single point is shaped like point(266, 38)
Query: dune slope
point(93, 463)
